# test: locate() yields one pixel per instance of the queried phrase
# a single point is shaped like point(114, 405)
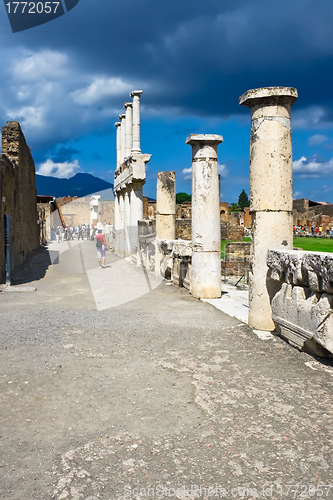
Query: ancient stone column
point(122, 119)
point(116, 223)
point(165, 214)
point(127, 223)
point(271, 190)
point(136, 94)
point(128, 129)
point(118, 128)
point(121, 234)
point(136, 200)
point(206, 230)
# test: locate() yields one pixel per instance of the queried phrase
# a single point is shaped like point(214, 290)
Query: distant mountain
point(79, 185)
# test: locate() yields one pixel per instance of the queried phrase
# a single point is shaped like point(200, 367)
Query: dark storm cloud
point(190, 56)
point(65, 154)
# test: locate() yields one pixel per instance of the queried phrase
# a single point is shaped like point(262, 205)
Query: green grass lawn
point(314, 244)
point(311, 244)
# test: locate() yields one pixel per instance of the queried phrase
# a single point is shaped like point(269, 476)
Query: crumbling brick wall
point(18, 197)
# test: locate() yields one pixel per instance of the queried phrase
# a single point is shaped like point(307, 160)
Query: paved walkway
point(160, 396)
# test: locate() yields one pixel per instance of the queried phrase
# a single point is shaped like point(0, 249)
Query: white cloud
point(297, 195)
point(222, 170)
point(187, 173)
point(28, 116)
point(99, 90)
point(312, 169)
point(40, 65)
point(60, 170)
point(317, 139)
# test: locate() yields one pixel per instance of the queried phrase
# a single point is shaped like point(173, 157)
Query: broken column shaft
point(165, 214)
point(206, 230)
point(270, 189)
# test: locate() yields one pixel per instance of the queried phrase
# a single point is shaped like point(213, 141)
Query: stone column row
point(128, 211)
point(128, 129)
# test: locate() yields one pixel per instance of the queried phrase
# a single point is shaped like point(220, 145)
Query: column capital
point(269, 96)
point(117, 124)
point(204, 138)
point(204, 146)
point(128, 105)
point(122, 116)
point(136, 93)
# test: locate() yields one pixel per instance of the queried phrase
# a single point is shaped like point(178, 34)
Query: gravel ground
point(155, 398)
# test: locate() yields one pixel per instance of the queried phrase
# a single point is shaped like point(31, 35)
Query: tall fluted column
point(270, 189)
point(136, 200)
point(121, 234)
point(165, 214)
point(128, 128)
point(136, 146)
point(122, 119)
point(206, 226)
point(118, 128)
point(127, 223)
point(116, 223)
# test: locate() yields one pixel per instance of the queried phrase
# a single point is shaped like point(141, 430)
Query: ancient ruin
point(18, 200)
point(130, 176)
point(270, 189)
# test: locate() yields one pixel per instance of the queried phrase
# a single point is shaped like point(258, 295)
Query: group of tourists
point(313, 230)
point(67, 233)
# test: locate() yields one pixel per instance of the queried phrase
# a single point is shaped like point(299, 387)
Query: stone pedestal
point(270, 189)
point(206, 235)
point(165, 214)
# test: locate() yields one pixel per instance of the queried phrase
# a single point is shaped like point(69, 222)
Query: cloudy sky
point(66, 82)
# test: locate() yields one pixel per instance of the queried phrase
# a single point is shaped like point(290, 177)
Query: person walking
point(100, 247)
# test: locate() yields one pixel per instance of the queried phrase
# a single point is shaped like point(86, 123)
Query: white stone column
point(127, 223)
point(206, 230)
point(270, 189)
point(165, 214)
point(128, 128)
point(116, 223)
point(121, 235)
point(136, 201)
point(136, 146)
point(122, 119)
point(118, 128)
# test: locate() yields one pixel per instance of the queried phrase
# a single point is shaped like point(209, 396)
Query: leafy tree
point(243, 200)
point(234, 207)
point(181, 197)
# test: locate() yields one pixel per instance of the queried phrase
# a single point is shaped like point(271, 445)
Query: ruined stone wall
point(232, 233)
point(300, 285)
point(224, 211)
point(183, 229)
point(18, 196)
point(77, 211)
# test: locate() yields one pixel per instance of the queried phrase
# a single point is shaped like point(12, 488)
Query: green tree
point(243, 200)
point(234, 207)
point(181, 197)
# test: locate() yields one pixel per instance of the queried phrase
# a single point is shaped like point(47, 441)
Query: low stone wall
point(300, 285)
point(233, 233)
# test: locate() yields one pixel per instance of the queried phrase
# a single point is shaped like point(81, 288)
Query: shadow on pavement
point(35, 267)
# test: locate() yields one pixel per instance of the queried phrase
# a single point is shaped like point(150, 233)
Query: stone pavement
point(163, 396)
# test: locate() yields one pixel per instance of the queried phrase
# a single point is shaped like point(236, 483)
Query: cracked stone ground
point(157, 396)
